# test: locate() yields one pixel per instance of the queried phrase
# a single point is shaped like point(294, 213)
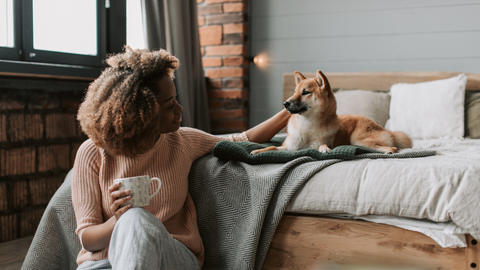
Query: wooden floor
point(13, 253)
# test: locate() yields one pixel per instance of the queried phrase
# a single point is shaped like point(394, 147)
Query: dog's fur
point(315, 124)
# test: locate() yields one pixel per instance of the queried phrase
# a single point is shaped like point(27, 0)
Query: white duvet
point(408, 193)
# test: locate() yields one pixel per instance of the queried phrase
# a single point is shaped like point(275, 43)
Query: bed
point(304, 240)
point(256, 212)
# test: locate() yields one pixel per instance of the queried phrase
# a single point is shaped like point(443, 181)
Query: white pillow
point(432, 109)
point(373, 105)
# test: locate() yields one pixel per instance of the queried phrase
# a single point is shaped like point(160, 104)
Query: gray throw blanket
point(238, 208)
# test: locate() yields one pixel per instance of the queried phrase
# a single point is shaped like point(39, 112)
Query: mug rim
point(140, 176)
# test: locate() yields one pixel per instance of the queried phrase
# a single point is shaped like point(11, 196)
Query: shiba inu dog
point(315, 124)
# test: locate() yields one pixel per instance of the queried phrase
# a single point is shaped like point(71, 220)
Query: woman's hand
point(117, 198)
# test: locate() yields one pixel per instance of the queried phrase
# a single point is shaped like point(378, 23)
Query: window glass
point(6, 23)
point(135, 37)
point(67, 26)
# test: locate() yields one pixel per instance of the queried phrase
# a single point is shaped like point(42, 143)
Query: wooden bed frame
point(315, 242)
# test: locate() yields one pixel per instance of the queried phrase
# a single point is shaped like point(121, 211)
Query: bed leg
point(472, 253)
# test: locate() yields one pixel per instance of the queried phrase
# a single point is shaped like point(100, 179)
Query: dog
point(314, 122)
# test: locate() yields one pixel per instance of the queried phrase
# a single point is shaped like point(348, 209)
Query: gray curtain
point(172, 25)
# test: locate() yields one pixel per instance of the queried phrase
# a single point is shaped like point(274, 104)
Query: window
point(135, 34)
point(66, 38)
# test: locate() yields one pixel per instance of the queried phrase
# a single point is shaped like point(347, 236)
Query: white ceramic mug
point(139, 187)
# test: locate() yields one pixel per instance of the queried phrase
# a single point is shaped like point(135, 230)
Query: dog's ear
point(298, 77)
point(322, 81)
point(320, 78)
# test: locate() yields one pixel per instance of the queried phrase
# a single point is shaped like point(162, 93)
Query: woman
point(132, 118)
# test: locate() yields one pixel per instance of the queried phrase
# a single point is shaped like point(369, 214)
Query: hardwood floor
point(13, 253)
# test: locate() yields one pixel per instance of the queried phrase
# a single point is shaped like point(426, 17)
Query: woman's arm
point(264, 131)
point(97, 237)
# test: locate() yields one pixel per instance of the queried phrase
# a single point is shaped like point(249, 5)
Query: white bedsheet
point(408, 193)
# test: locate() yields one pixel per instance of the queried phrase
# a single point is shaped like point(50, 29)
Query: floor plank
point(13, 253)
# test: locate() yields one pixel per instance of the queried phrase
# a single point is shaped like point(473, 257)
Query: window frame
point(16, 61)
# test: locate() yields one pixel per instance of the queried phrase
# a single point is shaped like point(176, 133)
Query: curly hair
point(121, 112)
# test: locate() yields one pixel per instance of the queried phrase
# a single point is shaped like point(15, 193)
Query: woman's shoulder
point(87, 149)
point(187, 133)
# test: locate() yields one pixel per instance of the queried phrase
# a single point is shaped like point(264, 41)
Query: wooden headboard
point(380, 81)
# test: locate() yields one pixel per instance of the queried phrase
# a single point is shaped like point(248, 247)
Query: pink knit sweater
point(170, 160)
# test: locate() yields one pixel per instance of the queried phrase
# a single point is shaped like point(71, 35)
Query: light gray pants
point(140, 241)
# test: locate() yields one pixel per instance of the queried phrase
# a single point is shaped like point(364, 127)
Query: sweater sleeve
point(86, 192)
point(199, 143)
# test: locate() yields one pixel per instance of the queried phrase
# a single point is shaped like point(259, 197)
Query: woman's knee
point(138, 218)
point(138, 214)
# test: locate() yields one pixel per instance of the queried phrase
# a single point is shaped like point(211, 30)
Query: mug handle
point(159, 185)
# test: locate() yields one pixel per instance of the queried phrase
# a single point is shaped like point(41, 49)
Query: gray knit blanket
point(238, 206)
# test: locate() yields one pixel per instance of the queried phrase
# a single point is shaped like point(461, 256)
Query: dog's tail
point(401, 140)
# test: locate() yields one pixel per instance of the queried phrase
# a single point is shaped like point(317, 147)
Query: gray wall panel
point(352, 35)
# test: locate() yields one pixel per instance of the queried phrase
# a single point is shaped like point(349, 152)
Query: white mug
point(139, 187)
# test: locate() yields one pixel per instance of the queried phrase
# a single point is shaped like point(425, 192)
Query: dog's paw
point(255, 152)
point(392, 150)
point(324, 149)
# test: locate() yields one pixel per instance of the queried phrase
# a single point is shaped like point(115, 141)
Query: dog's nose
point(286, 104)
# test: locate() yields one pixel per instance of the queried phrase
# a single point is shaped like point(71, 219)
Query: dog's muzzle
point(294, 108)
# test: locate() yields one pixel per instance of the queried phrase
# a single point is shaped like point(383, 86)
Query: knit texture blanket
point(238, 205)
point(240, 151)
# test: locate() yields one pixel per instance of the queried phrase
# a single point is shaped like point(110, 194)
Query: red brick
point(233, 104)
point(235, 83)
point(3, 162)
point(210, 35)
point(214, 83)
point(29, 222)
point(17, 161)
point(209, 9)
point(228, 94)
point(25, 126)
point(226, 50)
point(19, 194)
point(3, 128)
point(233, 39)
point(75, 104)
point(226, 114)
point(60, 125)
point(216, 126)
point(234, 7)
point(225, 18)
point(236, 124)
point(202, 51)
point(8, 230)
point(215, 104)
point(235, 61)
point(3, 196)
point(43, 102)
point(199, 1)
point(43, 189)
point(221, 1)
point(17, 127)
point(212, 62)
point(201, 20)
point(226, 72)
point(33, 126)
point(53, 157)
point(11, 104)
point(235, 28)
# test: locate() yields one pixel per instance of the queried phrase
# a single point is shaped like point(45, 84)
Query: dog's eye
point(305, 92)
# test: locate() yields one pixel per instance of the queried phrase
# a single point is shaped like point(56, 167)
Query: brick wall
point(39, 137)
point(223, 28)
point(39, 134)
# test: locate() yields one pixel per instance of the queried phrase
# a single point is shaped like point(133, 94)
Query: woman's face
point(171, 110)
